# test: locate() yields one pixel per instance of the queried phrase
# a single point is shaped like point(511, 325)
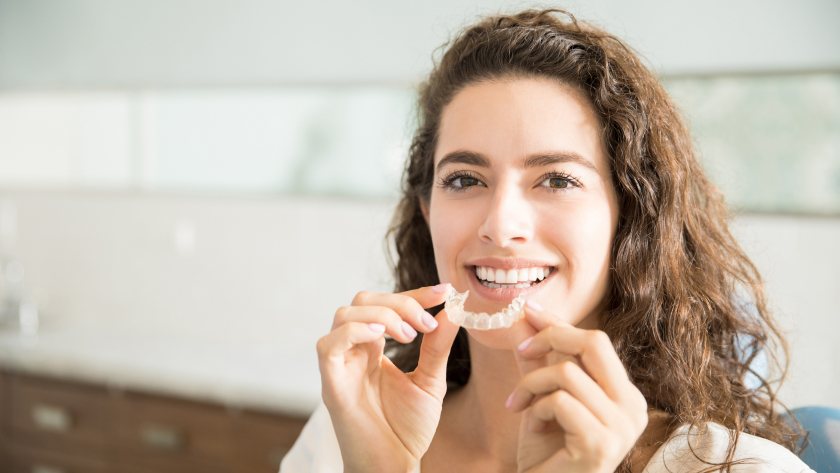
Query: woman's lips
point(503, 294)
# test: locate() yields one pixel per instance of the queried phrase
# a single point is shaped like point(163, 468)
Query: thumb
point(434, 354)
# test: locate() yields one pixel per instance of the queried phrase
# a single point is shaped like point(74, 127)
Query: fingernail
point(408, 330)
point(522, 346)
point(534, 305)
point(509, 401)
point(428, 320)
point(441, 288)
point(376, 328)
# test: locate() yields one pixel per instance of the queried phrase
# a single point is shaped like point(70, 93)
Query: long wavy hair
point(685, 307)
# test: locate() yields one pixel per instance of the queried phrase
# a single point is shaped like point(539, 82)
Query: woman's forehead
point(517, 119)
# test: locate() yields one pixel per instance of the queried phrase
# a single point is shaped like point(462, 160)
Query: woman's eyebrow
point(545, 159)
point(463, 157)
point(534, 160)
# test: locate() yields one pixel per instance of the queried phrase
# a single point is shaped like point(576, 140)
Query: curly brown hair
point(679, 282)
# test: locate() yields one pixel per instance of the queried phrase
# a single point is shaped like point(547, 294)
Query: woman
point(550, 163)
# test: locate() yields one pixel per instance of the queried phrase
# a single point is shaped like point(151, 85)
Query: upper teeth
point(511, 276)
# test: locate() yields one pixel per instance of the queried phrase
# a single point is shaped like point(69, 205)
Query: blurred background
point(189, 189)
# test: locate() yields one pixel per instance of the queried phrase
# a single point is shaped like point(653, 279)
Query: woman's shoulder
point(316, 448)
point(710, 442)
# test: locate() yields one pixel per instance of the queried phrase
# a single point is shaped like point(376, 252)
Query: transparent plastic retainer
point(504, 318)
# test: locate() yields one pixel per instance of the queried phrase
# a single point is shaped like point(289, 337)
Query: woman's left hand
point(581, 411)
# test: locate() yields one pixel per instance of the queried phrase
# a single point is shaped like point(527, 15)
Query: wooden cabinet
point(270, 440)
point(4, 414)
point(58, 426)
point(165, 435)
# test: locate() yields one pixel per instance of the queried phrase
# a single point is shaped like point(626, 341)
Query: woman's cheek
point(443, 236)
point(453, 230)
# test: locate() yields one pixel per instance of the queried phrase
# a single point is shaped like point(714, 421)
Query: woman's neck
point(478, 414)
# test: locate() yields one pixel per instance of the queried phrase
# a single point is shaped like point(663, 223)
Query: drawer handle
point(52, 418)
point(161, 437)
point(46, 469)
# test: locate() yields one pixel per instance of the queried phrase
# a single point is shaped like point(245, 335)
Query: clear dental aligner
point(482, 321)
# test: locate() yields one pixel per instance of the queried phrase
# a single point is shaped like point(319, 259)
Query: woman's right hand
point(385, 419)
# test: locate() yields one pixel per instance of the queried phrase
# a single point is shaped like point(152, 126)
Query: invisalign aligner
point(482, 321)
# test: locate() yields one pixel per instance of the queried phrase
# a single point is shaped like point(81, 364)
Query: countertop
point(276, 377)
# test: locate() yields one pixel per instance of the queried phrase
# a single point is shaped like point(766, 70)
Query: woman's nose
point(509, 218)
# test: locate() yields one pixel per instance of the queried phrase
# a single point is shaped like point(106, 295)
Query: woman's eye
point(559, 182)
point(460, 182)
point(463, 182)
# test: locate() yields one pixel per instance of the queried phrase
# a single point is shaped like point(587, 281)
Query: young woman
point(550, 163)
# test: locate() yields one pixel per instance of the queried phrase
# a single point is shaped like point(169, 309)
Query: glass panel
point(306, 140)
point(65, 139)
point(772, 143)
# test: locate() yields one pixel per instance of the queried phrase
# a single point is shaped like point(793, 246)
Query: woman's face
point(522, 186)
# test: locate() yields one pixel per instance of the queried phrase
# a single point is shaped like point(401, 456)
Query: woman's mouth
point(517, 278)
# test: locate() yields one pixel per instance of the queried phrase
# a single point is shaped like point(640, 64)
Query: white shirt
point(317, 451)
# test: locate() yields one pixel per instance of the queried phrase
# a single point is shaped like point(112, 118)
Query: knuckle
point(564, 370)
point(408, 306)
point(361, 298)
point(341, 315)
point(642, 402)
point(634, 399)
point(593, 445)
point(609, 450)
point(407, 302)
point(560, 398)
point(321, 346)
point(640, 413)
point(600, 339)
point(387, 316)
point(627, 431)
point(530, 381)
point(643, 421)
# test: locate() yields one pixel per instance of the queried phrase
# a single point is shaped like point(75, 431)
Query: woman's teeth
point(518, 278)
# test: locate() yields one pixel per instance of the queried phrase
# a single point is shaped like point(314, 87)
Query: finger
point(429, 296)
point(569, 413)
point(434, 354)
point(531, 364)
point(333, 346)
point(540, 319)
point(395, 326)
point(570, 377)
point(594, 349)
point(409, 304)
point(536, 320)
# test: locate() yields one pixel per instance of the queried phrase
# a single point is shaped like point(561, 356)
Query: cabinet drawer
point(162, 431)
point(262, 440)
point(4, 412)
point(60, 415)
point(31, 460)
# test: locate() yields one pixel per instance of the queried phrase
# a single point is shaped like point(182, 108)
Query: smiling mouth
point(520, 278)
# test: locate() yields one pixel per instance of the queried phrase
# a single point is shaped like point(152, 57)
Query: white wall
point(800, 262)
point(265, 270)
point(89, 43)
